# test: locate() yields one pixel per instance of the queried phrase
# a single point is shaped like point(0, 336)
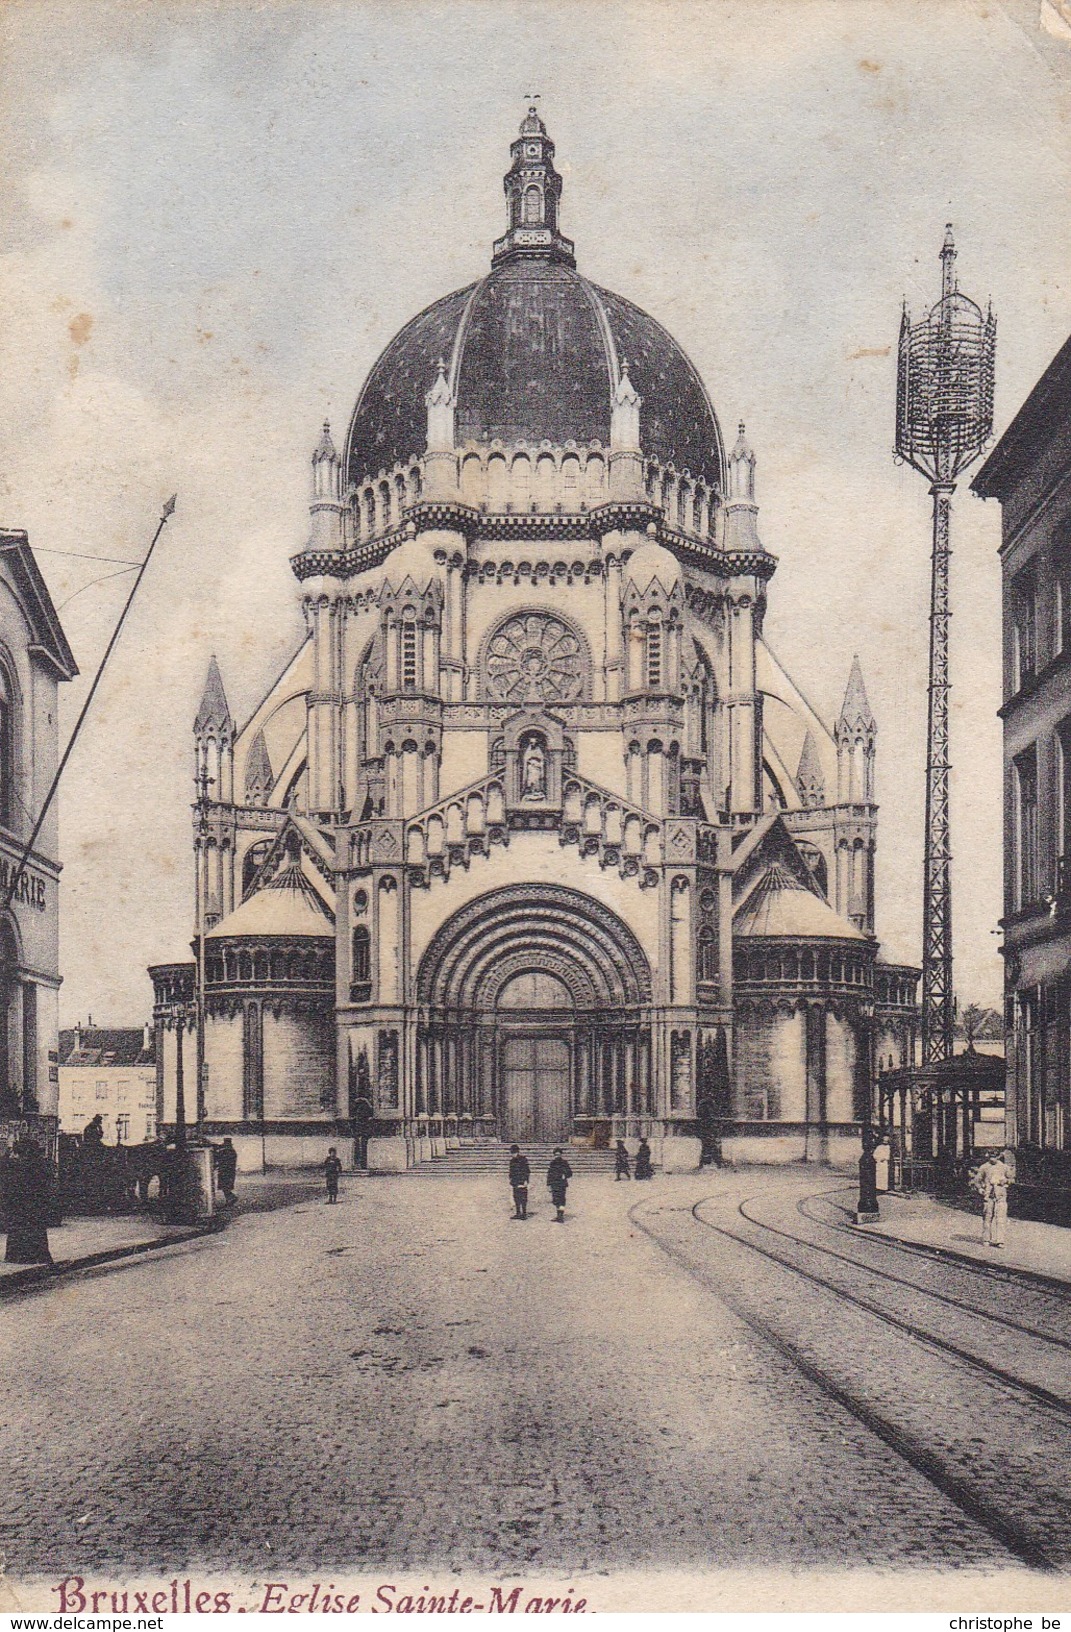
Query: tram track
point(940, 1465)
point(1044, 1397)
point(977, 1310)
point(1049, 1286)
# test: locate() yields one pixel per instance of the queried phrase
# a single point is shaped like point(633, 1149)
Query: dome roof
point(652, 561)
point(781, 906)
point(287, 906)
point(533, 352)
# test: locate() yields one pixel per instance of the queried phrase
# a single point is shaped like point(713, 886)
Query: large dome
point(533, 352)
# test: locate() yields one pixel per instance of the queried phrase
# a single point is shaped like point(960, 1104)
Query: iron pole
point(937, 997)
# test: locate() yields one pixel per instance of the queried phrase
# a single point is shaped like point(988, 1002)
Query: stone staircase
point(473, 1160)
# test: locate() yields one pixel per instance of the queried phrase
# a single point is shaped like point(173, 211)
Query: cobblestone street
point(412, 1378)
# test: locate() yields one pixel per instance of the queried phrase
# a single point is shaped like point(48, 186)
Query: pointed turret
point(855, 710)
point(741, 511)
point(259, 776)
point(625, 414)
point(533, 192)
point(626, 460)
point(214, 717)
point(855, 733)
point(810, 781)
point(326, 509)
point(440, 404)
point(326, 466)
point(440, 460)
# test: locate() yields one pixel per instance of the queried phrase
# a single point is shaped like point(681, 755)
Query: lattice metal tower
point(944, 416)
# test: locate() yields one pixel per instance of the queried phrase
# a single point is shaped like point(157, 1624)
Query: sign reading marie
point(30, 887)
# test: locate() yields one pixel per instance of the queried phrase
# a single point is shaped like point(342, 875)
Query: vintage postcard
point(535, 688)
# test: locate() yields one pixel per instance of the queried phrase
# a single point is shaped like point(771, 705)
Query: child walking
point(332, 1169)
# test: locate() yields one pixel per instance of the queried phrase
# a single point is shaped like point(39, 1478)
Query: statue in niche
point(533, 769)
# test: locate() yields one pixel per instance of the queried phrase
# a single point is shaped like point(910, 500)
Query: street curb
point(35, 1275)
point(1002, 1268)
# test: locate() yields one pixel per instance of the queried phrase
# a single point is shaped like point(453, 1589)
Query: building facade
point(110, 1073)
point(34, 659)
point(1029, 471)
point(535, 838)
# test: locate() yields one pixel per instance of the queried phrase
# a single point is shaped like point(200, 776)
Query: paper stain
point(80, 328)
point(869, 351)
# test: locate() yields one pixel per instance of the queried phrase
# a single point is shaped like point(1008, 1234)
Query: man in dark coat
point(27, 1202)
point(519, 1174)
point(621, 1166)
point(558, 1175)
point(226, 1168)
point(644, 1169)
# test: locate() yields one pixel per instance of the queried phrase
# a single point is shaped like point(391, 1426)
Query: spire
point(625, 408)
point(259, 776)
point(742, 468)
point(810, 781)
point(214, 714)
point(325, 448)
point(533, 192)
point(855, 710)
point(326, 470)
point(741, 510)
point(440, 404)
point(949, 282)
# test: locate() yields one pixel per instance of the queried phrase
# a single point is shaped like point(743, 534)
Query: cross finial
point(204, 782)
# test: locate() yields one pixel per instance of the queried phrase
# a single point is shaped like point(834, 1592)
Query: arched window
point(252, 863)
point(654, 657)
point(708, 954)
point(362, 963)
point(409, 656)
point(533, 207)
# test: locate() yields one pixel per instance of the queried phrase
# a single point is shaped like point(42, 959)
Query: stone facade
point(541, 773)
point(34, 659)
point(1028, 471)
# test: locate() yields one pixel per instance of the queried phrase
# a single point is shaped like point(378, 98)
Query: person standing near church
point(332, 1169)
point(644, 1168)
point(622, 1170)
point(519, 1174)
point(226, 1169)
point(558, 1175)
point(994, 1177)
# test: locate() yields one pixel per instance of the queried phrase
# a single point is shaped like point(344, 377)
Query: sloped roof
point(107, 1046)
point(780, 905)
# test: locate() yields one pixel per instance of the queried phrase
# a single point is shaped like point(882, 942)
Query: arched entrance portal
point(536, 1038)
point(534, 1018)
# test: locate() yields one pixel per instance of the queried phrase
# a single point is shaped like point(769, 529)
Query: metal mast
point(944, 416)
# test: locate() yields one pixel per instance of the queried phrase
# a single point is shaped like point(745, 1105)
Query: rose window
point(534, 657)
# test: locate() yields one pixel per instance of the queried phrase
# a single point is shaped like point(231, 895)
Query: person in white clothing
point(993, 1178)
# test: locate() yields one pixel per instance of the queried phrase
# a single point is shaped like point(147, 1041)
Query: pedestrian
point(644, 1170)
point(27, 1203)
point(994, 1177)
point(226, 1168)
point(332, 1169)
point(558, 1175)
point(519, 1174)
point(621, 1164)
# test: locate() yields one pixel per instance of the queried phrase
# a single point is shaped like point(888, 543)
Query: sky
point(215, 215)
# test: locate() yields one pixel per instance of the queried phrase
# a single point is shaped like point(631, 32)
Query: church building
point(534, 839)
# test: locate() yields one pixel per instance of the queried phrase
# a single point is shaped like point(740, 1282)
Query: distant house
point(110, 1073)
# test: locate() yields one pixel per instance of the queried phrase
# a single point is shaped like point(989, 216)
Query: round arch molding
point(528, 927)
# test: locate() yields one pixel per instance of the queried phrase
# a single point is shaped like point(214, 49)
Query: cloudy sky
point(216, 215)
